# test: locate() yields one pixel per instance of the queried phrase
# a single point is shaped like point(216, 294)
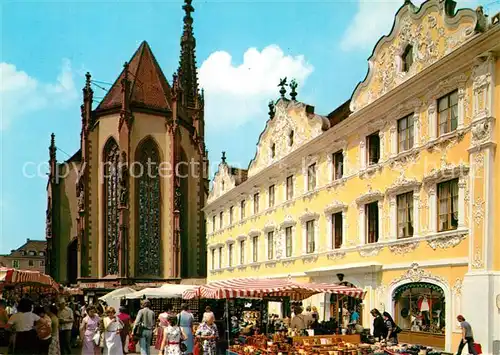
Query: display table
point(317, 339)
point(428, 339)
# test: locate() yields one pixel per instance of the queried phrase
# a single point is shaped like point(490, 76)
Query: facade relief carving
point(448, 241)
point(422, 30)
point(403, 184)
point(477, 262)
point(223, 182)
point(370, 251)
point(370, 196)
point(482, 88)
point(478, 210)
point(416, 274)
point(291, 127)
point(403, 248)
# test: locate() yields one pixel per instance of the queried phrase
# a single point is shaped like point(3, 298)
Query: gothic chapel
point(127, 207)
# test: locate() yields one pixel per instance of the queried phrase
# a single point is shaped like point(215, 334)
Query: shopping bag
point(478, 348)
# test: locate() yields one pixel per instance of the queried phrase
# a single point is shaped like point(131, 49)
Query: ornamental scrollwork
point(416, 274)
point(448, 241)
point(481, 131)
point(478, 210)
point(336, 255)
point(371, 251)
point(403, 248)
point(477, 262)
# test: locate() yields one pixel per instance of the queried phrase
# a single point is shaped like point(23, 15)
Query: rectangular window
point(405, 133)
point(242, 252)
point(311, 177)
point(213, 259)
point(15, 264)
point(338, 165)
point(231, 213)
point(221, 220)
point(242, 210)
point(405, 215)
point(288, 241)
point(220, 258)
point(373, 152)
point(448, 113)
point(310, 247)
point(255, 249)
point(213, 224)
point(447, 194)
point(31, 263)
point(372, 222)
point(42, 263)
point(289, 187)
point(230, 255)
point(256, 203)
point(270, 245)
point(271, 196)
point(337, 230)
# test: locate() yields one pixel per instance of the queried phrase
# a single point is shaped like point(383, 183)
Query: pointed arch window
point(111, 214)
point(148, 209)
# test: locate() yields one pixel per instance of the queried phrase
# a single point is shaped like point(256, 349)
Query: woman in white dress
point(173, 335)
point(112, 340)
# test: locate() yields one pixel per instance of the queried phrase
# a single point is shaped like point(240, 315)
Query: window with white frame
point(271, 196)
point(405, 214)
point(221, 219)
point(213, 258)
point(310, 242)
point(448, 113)
point(220, 257)
point(255, 248)
point(405, 133)
point(338, 165)
point(231, 213)
point(289, 187)
point(230, 255)
point(447, 199)
point(373, 151)
point(15, 264)
point(337, 230)
point(242, 209)
point(270, 245)
point(256, 198)
point(372, 225)
point(288, 241)
point(311, 177)
point(242, 252)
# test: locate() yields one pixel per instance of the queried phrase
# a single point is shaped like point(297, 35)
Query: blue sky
point(243, 47)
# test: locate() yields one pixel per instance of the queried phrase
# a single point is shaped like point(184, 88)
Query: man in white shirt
point(66, 319)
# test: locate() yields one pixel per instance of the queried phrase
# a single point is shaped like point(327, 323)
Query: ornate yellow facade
point(412, 193)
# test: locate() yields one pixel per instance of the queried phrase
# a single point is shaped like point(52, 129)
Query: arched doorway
point(342, 308)
point(420, 311)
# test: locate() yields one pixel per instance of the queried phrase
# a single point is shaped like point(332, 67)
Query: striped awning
point(253, 287)
point(10, 276)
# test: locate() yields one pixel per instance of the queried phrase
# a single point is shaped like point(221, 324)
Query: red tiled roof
point(148, 86)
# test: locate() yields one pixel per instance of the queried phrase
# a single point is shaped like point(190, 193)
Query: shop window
point(372, 222)
point(289, 187)
point(448, 113)
point(231, 214)
point(341, 306)
point(242, 252)
point(256, 203)
point(220, 258)
point(230, 255)
point(221, 219)
point(373, 144)
point(271, 196)
point(405, 215)
point(337, 230)
point(15, 264)
point(311, 177)
point(290, 138)
point(338, 165)
point(213, 224)
point(419, 308)
point(447, 194)
point(288, 241)
point(407, 58)
point(213, 258)
point(270, 245)
point(242, 209)
point(310, 245)
point(405, 133)
point(255, 249)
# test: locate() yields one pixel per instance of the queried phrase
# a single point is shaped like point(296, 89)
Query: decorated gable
point(225, 179)
point(291, 126)
point(419, 38)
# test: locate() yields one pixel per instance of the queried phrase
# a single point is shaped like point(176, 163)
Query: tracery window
point(111, 214)
point(148, 210)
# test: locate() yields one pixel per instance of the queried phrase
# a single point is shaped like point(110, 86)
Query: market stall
point(165, 291)
point(15, 277)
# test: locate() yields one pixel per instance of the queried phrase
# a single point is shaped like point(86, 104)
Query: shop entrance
point(343, 307)
point(419, 310)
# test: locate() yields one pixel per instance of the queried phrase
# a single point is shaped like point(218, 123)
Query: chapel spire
point(187, 65)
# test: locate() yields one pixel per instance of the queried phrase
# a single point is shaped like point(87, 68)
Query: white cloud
point(21, 94)
point(235, 94)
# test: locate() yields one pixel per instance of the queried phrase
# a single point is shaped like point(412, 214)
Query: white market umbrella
point(165, 291)
point(113, 298)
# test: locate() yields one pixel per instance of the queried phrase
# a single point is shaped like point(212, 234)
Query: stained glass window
point(148, 208)
point(111, 214)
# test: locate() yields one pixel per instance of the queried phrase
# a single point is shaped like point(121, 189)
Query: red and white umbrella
point(10, 276)
point(253, 287)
